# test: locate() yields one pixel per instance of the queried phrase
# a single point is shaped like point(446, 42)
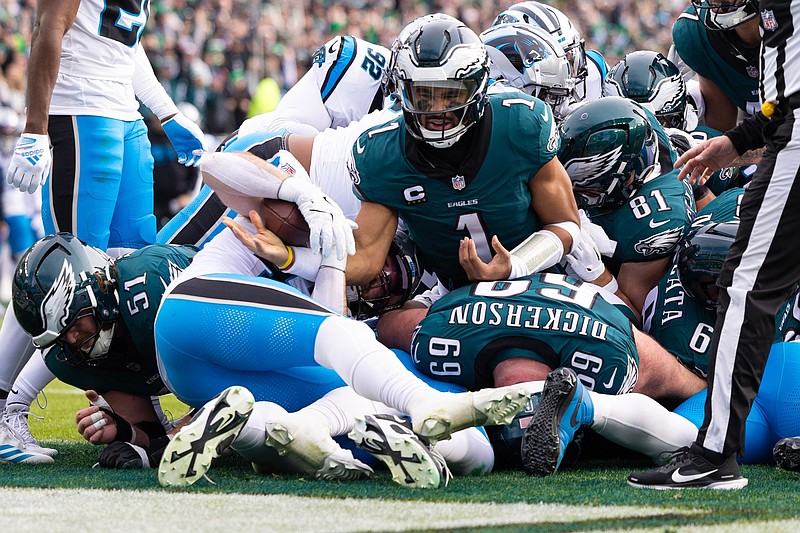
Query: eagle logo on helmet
point(583, 170)
point(668, 93)
point(58, 300)
point(660, 243)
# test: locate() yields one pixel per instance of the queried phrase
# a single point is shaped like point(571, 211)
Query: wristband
point(612, 286)
point(289, 260)
point(125, 431)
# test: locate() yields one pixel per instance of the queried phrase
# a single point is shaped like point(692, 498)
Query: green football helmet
point(59, 280)
point(609, 149)
point(700, 258)
point(652, 80)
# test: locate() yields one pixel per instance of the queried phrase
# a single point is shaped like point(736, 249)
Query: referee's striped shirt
point(780, 48)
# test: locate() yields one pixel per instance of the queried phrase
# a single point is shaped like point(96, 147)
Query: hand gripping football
point(284, 220)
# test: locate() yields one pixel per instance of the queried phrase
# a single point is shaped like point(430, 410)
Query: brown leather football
point(285, 220)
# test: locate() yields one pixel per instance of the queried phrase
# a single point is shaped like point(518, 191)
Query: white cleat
point(16, 416)
point(412, 463)
point(312, 450)
point(486, 407)
point(14, 451)
point(188, 455)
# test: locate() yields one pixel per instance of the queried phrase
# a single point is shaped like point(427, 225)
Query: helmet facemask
point(440, 70)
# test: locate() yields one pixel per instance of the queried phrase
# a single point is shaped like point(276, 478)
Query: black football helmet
point(437, 58)
point(396, 283)
point(700, 259)
point(59, 280)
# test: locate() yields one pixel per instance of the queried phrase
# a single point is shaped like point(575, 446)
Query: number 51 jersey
point(550, 318)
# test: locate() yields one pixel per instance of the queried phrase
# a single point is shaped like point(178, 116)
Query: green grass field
point(592, 497)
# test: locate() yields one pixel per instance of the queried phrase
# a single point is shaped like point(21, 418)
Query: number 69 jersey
point(131, 366)
point(550, 318)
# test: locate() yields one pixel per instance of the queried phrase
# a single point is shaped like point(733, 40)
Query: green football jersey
point(130, 367)
point(486, 195)
point(710, 54)
point(652, 222)
point(683, 326)
point(723, 208)
point(550, 318)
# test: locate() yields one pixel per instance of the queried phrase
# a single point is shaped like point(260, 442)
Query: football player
point(719, 41)
point(620, 162)
point(455, 169)
point(588, 67)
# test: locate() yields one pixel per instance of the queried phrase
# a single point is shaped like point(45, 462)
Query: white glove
point(30, 165)
point(187, 139)
point(584, 262)
point(328, 226)
point(604, 244)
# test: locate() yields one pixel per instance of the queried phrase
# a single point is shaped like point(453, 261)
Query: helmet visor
point(437, 96)
point(723, 14)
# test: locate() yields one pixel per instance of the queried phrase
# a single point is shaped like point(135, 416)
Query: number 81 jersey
point(550, 318)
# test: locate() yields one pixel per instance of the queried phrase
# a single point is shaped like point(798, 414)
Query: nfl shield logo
point(752, 71)
point(459, 183)
point(768, 18)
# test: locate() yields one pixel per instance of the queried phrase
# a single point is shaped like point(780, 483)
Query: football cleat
point(486, 407)
point(312, 450)
point(411, 462)
point(16, 416)
point(188, 455)
point(787, 453)
point(688, 469)
point(565, 407)
point(14, 451)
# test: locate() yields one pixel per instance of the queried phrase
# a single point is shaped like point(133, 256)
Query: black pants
point(758, 275)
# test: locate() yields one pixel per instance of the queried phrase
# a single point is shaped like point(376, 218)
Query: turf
point(771, 495)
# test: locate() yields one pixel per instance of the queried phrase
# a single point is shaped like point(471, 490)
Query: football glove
point(584, 262)
point(30, 164)
point(329, 229)
point(187, 139)
point(124, 455)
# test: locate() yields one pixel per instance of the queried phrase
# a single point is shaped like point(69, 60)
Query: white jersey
point(342, 86)
point(97, 60)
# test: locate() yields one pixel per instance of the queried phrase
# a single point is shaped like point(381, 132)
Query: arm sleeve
point(149, 90)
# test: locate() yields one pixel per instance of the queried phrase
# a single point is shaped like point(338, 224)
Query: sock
point(372, 370)
point(16, 349)
point(34, 377)
point(250, 441)
point(340, 406)
point(467, 452)
point(642, 424)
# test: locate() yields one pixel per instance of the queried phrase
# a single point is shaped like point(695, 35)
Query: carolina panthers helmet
point(700, 258)
point(531, 60)
point(439, 58)
point(557, 24)
point(393, 286)
point(725, 14)
point(652, 80)
point(59, 280)
point(609, 150)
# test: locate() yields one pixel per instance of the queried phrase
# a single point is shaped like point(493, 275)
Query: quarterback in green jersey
point(470, 173)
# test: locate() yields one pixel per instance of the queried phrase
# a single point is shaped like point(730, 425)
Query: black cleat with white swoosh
point(188, 455)
point(688, 469)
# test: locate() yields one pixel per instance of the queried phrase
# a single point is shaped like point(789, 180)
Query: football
point(285, 220)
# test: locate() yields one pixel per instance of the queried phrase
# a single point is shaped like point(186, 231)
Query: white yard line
point(82, 510)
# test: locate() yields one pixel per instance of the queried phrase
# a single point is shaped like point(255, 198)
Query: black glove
point(124, 455)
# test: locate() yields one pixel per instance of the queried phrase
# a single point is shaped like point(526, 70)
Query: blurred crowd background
point(233, 58)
